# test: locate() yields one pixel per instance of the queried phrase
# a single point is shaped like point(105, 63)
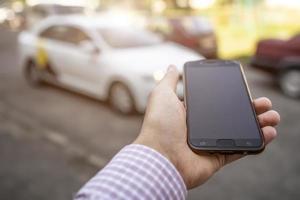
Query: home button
point(225, 143)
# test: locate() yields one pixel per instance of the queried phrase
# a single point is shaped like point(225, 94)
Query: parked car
point(106, 60)
point(282, 59)
point(191, 31)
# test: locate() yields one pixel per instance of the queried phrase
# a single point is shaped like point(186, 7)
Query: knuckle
point(276, 116)
point(219, 162)
point(268, 102)
point(271, 117)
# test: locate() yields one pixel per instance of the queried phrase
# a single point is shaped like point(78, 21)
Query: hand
point(164, 129)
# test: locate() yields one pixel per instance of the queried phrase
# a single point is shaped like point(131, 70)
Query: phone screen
point(219, 105)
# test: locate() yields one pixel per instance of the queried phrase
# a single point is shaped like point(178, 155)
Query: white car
point(100, 58)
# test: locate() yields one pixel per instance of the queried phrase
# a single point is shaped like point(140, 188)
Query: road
point(53, 140)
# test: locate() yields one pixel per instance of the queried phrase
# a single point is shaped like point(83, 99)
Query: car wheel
point(290, 82)
point(121, 99)
point(32, 74)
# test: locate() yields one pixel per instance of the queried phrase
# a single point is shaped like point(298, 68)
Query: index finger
point(171, 78)
point(262, 104)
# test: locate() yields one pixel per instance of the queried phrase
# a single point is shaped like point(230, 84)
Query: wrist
point(167, 153)
point(153, 145)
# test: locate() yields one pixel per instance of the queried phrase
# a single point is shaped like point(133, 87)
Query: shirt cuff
point(136, 172)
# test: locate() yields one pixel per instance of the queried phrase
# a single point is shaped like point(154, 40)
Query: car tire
point(121, 99)
point(33, 75)
point(289, 81)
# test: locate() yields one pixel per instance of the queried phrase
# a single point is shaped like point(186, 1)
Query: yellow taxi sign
point(41, 55)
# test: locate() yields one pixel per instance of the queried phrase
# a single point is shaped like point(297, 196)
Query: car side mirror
point(88, 47)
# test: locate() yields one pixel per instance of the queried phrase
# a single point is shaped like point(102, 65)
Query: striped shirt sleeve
point(136, 172)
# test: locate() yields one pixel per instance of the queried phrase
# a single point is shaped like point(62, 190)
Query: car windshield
point(68, 10)
point(127, 38)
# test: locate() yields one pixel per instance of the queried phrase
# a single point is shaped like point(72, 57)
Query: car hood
point(151, 58)
point(271, 42)
point(270, 47)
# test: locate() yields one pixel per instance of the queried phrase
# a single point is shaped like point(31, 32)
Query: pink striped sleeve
point(136, 172)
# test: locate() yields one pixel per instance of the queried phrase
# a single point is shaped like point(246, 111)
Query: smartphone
point(220, 114)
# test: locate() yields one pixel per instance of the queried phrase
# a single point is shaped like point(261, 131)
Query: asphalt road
point(53, 140)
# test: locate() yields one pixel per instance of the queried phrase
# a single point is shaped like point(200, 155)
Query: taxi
point(98, 57)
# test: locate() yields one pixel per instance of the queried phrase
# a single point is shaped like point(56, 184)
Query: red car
point(282, 59)
point(194, 32)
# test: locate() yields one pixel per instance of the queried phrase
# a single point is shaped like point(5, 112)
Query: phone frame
point(222, 149)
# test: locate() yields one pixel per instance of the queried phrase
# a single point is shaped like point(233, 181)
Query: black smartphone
point(220, 114)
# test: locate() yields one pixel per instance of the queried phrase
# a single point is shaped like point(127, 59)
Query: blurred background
point(76, 74)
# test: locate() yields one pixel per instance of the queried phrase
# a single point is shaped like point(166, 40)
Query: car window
point(54, 32)
point(66, 34)
point(40, 11)
point(126, 38)
point(76, 36)
point(61, 10)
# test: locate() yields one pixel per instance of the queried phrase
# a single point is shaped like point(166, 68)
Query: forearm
point(136, 172)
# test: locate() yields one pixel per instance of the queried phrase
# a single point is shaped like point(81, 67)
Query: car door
point(52, 46)
point(82, 60)
point(293, 46)
point(75, 57)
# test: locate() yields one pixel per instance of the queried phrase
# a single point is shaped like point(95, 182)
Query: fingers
point(262, 105)
point(266, 116)
point(269, 133)
point(171, 78)
point(269, 118)
point(231, 158)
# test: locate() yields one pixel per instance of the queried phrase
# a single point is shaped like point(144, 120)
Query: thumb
point(171, 78)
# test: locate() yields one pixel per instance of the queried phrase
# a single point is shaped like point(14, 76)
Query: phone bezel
point(222, 149)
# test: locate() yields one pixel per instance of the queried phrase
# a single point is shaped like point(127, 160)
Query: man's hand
point(164, 129)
